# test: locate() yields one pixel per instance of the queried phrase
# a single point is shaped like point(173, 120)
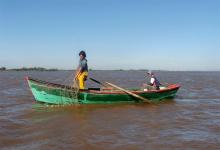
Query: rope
point(73, 92)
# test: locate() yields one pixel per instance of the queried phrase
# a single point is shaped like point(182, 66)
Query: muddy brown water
point(189, 121)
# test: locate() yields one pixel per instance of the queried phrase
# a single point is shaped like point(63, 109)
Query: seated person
point(154, 83)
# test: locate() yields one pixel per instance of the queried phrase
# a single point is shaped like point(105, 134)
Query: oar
point(128, 92)
point(98, 82)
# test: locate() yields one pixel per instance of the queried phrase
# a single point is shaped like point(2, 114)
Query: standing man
point(82, 70)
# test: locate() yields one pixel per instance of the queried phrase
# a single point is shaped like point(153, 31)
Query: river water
point(189, 121)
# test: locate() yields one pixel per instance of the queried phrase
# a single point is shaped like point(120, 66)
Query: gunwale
point(170, 87)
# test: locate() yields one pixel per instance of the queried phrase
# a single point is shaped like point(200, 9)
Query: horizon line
point(62, 69)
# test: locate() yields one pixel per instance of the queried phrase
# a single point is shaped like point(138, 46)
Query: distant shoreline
point(29, 69)
point(55, 69)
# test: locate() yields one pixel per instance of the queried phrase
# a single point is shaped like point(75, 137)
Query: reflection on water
point(188, 121)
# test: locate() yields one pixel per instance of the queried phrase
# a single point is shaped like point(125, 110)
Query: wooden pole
point(128, 92)
point(96, 81)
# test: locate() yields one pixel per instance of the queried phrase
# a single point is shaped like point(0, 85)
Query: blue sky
point(116, 34)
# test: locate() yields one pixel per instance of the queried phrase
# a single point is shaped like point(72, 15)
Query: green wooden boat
point(52, 93)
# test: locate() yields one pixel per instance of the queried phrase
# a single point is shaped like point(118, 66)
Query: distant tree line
point(29, 69)
point(2, 68)
point(34, 69)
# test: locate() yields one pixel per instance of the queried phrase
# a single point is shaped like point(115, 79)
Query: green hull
point(59, 94)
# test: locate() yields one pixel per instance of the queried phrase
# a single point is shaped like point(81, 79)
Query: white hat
point(150, 72)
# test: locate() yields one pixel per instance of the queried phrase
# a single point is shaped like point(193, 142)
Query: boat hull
point(62, 95)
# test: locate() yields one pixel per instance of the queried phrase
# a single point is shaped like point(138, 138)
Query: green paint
point(54, 95)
